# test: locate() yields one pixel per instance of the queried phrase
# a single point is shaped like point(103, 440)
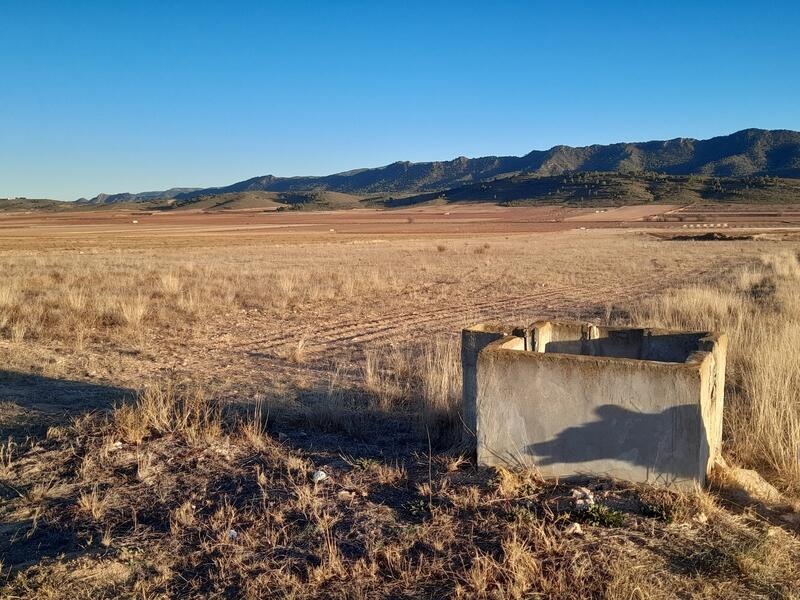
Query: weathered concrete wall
point(713, 400)
point(578, 408)
point(585, 338)
point(473, 340)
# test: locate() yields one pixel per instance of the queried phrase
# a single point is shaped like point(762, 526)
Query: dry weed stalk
point(424, 379)
point(7, 453)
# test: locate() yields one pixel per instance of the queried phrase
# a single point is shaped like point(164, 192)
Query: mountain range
point(746, 153)
point(137, 197)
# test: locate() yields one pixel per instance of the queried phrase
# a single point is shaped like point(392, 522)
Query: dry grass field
point(168, 391)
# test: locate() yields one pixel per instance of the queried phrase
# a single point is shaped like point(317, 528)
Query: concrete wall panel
point(570, 414)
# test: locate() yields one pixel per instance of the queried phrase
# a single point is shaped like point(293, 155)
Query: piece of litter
point(584, 498)
point(574, 528)
point(233, 534)
point(319, 476)
point(348, 495)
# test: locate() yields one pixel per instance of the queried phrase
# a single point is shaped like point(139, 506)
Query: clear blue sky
point(133, 96)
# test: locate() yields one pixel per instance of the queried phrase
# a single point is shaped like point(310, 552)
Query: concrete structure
point(572, 399)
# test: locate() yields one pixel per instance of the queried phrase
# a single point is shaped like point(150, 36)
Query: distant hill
point(601, 188)
point(137, 197)
point(38, 204)
point(608, 188)
point(746, 153)
point(743, 155)
point(315, 199)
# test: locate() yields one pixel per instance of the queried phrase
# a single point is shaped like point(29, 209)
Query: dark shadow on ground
point(778, 512)
point(30, 403)
point(23, 544)
point(346, 423)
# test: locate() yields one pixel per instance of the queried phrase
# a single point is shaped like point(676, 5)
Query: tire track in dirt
point(568, 299)
point(348, 340)
point(405, 327)
point(547, 303)
point(383, 328)
point(336, 334)
point(351, 329)
point(352, 338)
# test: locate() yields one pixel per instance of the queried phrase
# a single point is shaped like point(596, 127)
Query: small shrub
point(298, 354)
point(599, 515)
point(131, 310)
point(363, 463)
point(170, 284)
point(18, 331)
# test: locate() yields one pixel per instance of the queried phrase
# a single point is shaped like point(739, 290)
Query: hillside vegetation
point(605, 188)
point(589, 188)
point(24, 204)
point(137, 197)
point(319, 200)
point(747, 153)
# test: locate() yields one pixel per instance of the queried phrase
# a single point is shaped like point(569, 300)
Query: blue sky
point(133, 96)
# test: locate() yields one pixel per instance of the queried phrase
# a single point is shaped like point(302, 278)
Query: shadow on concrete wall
point(658, 441)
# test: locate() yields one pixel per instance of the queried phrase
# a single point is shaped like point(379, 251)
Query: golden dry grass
point(182, 494)
point(241, 316)
point(61, 298)
point(110, 293)
point(759, 308)
point(239, 514)
point(160, 410)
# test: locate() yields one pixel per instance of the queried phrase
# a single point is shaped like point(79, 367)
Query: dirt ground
point(436, 269)
point(326, 318)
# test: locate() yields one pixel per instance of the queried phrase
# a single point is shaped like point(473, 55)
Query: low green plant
point(417, 507)
point(600, 515)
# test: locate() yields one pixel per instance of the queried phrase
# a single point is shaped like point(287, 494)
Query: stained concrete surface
point(573, 399)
